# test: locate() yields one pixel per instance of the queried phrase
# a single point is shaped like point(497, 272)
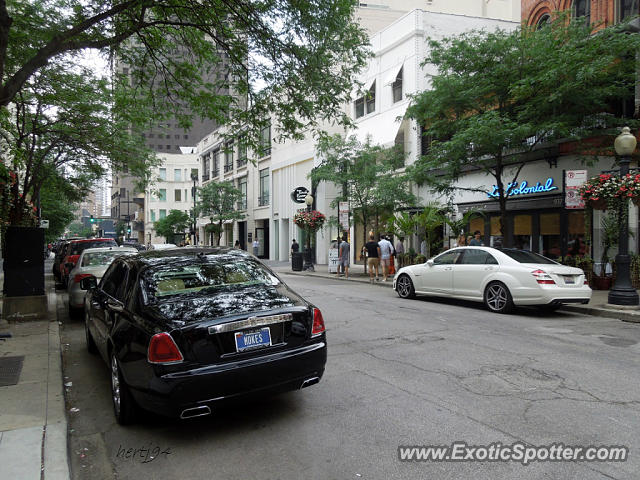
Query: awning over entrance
point(383, 127)
point(392, 75)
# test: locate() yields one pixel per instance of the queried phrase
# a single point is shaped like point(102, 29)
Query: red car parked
point(73, 251)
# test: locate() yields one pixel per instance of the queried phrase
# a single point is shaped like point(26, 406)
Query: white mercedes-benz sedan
point(499, 277)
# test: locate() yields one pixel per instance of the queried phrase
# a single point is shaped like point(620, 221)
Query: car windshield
point(204, 277)
point(97, 259)
point(79, 247)
point(524, 256)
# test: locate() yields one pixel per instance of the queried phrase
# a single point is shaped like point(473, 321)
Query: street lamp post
point(623, 292)
point(308, 263)
point(194, 177)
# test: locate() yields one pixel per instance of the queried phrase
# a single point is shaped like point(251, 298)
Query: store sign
point(523, 188)
point(299, 194)
point(343, 215)
point(573, 180)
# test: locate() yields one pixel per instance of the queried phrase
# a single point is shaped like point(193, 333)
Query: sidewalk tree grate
point(10, 369)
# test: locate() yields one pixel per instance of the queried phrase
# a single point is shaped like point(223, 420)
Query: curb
point(624, 315)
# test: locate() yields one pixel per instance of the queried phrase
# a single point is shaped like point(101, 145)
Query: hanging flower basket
point(309, 220)
point(607, 191)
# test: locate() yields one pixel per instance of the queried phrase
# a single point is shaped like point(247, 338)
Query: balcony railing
point(205, 177)
point(215, 174)
point(263, 200)
point(228, 167)
point(242, 162)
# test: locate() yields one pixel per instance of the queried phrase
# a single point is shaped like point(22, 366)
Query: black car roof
point(180, 254)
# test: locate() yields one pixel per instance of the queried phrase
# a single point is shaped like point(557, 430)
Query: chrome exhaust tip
point(310, 381)
point(195, 412)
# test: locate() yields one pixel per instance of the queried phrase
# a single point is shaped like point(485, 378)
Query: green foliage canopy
point(175, 222)
point(219, 201)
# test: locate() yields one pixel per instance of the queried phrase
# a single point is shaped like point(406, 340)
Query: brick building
point(607, 12)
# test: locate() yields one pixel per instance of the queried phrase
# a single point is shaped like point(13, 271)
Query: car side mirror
point(430, 262)
point(88, 283)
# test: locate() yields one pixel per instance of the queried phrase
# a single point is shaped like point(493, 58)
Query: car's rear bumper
point(171, 394)
point(553, 295)
point(76, 296)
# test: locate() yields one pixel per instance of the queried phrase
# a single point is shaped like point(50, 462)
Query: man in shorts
point(373, 258)
point(386, 250)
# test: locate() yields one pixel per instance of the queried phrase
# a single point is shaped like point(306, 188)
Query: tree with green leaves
point(62, 122)
point(498, 96)
point(219, 202)
point(174, 223)
point(366, 175)
point(292, 60)
point(432, 217)
point(58, 204)
point(402, 224)
point(458, 225)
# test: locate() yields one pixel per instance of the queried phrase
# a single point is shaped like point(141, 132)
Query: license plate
point(569, 280)
point(253, 339)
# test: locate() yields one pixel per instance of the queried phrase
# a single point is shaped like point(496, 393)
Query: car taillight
point(586, 280)
point(318, 323)
point(543, 277)
point(162, 349)
point(79, 276)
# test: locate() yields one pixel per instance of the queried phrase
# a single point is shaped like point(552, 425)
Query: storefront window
point(549, 240)
point(496, 235)
point(522, 233)
point(576, 245)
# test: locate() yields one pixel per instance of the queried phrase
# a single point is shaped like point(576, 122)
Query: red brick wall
point(602, 11)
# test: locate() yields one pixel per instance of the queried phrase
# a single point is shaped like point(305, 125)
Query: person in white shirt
point(386, 250)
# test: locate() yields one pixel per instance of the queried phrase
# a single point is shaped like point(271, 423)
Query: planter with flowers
point(310, 221)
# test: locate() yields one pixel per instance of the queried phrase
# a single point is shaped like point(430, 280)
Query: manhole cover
point(10, 368)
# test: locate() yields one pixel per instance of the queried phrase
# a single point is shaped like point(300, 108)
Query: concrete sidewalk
point(33, 424)
point(598, 305)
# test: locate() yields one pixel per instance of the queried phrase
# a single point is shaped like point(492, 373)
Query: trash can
point(296, 261)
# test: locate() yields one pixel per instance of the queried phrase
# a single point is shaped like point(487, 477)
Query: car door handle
point(448, 268)
point(488, 268)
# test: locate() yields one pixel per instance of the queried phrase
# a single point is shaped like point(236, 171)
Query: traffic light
point(91, 219)
point(129, 230)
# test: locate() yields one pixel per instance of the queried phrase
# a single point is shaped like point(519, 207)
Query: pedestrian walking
point(343, 256)
point(295, 247)
point(462, 241)
point(237, 244)
point(476, 242)
point(386, 249)
point(256, 247)
point(373, 258)
point(400, 252)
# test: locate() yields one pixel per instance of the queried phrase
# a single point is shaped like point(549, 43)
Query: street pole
point(308, 262)
point(194, 177)
point(623, 292)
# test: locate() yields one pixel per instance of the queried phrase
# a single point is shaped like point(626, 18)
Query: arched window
point(581, 9)
point(627, 8)
point(545, 19)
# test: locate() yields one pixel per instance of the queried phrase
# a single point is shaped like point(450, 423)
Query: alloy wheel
point(497, 297)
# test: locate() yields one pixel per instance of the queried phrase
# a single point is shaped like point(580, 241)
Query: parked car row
point(183, 330)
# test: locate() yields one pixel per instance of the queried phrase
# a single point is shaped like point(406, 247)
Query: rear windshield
point(524, 256)
point(78, 247)
point(97, 259)
point(205, 277)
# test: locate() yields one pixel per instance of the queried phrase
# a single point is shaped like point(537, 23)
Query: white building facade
point(172, 190)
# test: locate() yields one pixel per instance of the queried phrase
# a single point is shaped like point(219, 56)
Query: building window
point(168, 147)
point(186, 137)
point(367, 103)
point(265, 141)
point(263, 199)
point(627, 8)
point(581, 9)
point(153, 215)
point(396, 87)
point(205, 167)
point(545, 19)
point(177, 174)
point(162, 195)
point(242, 186)
point(360, 107)
point(242, 151)
point(178, 195)
point(162, 174)
point(163, 213)
point(215, 167)
point(228, 157)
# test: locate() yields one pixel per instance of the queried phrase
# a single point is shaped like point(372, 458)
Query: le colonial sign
point(515, 189)
point(299, 194)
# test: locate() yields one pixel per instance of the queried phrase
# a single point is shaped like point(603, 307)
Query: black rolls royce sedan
point(184, 329)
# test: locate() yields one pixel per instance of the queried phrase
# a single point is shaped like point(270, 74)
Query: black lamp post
point(623, 292)
point(308, 262)
point(194, 177)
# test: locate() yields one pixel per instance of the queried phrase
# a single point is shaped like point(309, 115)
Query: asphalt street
point(399, 372)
